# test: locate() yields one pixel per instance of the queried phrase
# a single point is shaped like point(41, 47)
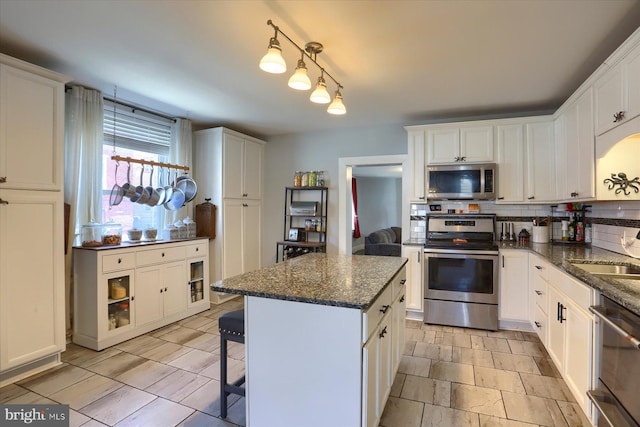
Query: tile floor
point(170, 377)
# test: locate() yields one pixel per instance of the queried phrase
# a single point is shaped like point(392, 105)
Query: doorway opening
point(366, 166)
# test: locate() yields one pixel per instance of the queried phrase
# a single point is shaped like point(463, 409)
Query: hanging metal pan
point(115, 198)
point(188, 187)
point(177, 200)
point(158, 193)
point(128, 189)
point(150, 191)
point(168, 189)
point(140, 190)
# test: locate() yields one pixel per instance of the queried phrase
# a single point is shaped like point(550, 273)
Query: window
point(139, 135)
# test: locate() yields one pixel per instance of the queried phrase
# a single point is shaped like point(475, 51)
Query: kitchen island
point(324, 335)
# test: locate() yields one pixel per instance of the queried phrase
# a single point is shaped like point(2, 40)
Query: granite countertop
point(352, 281)
point(625, 292)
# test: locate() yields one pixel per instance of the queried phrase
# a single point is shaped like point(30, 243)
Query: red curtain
point(354, 199)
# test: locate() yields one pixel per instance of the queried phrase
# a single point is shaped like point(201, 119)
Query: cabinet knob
point(574, 194)
point(531, 197)
point(161, 290)
point(538, 292)
point(538, 324)
point(244, 195)
point(245, 205)
point(402, 298)
point(3, 179)
point(500, 198)
point(384, 308)
point(421, 197)
point(197, 249)
point(456, 158)
point(132, 298)
point(403, 281)
point(618, 117)
point(165, 289)
point(163, 254)
point(119, 260)
point(3, 202)
point(538, 267)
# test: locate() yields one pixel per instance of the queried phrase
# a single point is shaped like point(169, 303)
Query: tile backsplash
point(609, 220)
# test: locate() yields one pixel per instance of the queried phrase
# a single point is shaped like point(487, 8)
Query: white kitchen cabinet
point(399, 312)
point(575, 148)
point(32, 323)
point(414, 281)
point(514, 289)
point(32, 314)
point(416, 150)
point(472, 144)
point(570, 334)
point(228, 167)
point(541, 165)
point(538, 295)
point(618, 91)
point(32, 121)
point(158, 279)
point(511, 155)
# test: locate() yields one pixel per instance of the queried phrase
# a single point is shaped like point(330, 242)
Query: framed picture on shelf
point(296, 235)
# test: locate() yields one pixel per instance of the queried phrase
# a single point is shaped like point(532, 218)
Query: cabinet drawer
point(539, 267)
point(156, 256)
point(197, 250)
point(575, 290)
point(540, 324)
point(398, 283)
point(540, 295)
point(118, 262)
point(376, 312)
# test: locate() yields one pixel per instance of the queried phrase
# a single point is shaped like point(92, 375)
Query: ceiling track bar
point(149, 162)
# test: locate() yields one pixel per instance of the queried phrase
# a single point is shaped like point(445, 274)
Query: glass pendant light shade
point(300, 80)
point(320, 95)
point(337, 107)
point(273, 62)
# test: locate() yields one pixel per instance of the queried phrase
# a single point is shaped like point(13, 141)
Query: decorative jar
point(91, 234)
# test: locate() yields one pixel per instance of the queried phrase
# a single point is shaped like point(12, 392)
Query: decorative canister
point(190, 227)
point(320, 178)
point(111, 233)
point(297, 179)
point(206, 219)
point(523, 237)
point(305, 179)
point(91, 234)
point(313, 179)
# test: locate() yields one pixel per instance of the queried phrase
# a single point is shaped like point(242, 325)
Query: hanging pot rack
point(148, 162)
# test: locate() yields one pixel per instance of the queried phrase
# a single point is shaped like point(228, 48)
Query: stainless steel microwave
point(471, 181)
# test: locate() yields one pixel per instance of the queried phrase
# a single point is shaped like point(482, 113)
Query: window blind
point(135, 129)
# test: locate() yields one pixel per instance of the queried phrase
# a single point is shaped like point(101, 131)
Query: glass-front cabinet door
point(119, 290)
point(196, 289)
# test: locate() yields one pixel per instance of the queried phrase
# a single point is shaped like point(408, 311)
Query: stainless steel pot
point(141, 195)
point(188, 187)
point(128, 189)
point(177, 200)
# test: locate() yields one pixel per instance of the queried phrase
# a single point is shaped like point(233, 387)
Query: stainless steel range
point(461, 271)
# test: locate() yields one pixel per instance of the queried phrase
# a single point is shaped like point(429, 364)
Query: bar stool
point(231, 329)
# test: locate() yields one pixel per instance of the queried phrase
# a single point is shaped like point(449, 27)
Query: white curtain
point(82, 169)
point(181, 154)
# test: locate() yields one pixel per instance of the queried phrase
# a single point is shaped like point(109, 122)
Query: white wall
point(317, 151)
point(379, 205)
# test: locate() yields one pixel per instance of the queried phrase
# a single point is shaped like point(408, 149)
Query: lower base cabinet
point(125, 291)
point(514, 287)
point(414, 299)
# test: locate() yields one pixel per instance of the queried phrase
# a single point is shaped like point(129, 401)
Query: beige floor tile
point(489, 421)
point(205, 342)
point(452, 339)
point(236, 350)
point(86, 391)
point(178, 385)
point(498, 379)
point(181, 335)
point(29, 398)
point(116, 365)
point(530, 336)
point(207, 399)
point(401, 412)
point(573, 414)
point(414, 335)
point(235, 370)
point(433, 351)
point(470, 356)
point(529, 348)
point(454, 372)
point(515, 362)
point(512, 335)
point(547, 367)
point(417, 366)
point(396, 387)
point(200, 419)
point(533, 409)
point(427, 390)
point(409, 347)
point(553, 388)
point(477, 399)
point(429, 337)
point(52, 380)
point(76, 419)
point(84, 357)
point(211, 328)
point(118, 405)
point(195, 361)
point(195, 322)
point(158, 333)
point(490, 344)
point(166, 352)
point(140, 344)
point(11, 391)
point(158, 413)
point(237, 412)
point(438, 416)
point(413, 324)
point(93, 423)
point(142, 376)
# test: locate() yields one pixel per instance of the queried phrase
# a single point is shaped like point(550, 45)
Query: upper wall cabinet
point(575, 150)
point(510, 147)
point(417, 158)
point(242, 177)
point(617, 93)
point(31, 121)
point(453, 144)
point(541, 165)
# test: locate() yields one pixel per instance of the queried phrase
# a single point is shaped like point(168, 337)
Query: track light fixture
point(274, 63)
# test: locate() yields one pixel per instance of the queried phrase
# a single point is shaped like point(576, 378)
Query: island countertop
point(351, 281)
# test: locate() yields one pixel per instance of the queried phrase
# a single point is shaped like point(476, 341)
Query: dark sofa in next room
point(385, 242)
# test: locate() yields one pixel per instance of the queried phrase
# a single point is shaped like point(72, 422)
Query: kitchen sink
point(620, 271)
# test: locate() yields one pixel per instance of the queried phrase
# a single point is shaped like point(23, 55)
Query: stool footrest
point(230, 388)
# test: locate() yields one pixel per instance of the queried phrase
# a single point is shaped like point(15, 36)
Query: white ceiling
point(400, 62)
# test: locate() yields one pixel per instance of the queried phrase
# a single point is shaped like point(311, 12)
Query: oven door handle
point(600, 313)
point(602, 399)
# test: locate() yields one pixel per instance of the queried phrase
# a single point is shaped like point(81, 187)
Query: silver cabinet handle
point(601, 314)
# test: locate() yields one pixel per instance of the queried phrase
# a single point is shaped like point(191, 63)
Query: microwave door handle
point(600, 313)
